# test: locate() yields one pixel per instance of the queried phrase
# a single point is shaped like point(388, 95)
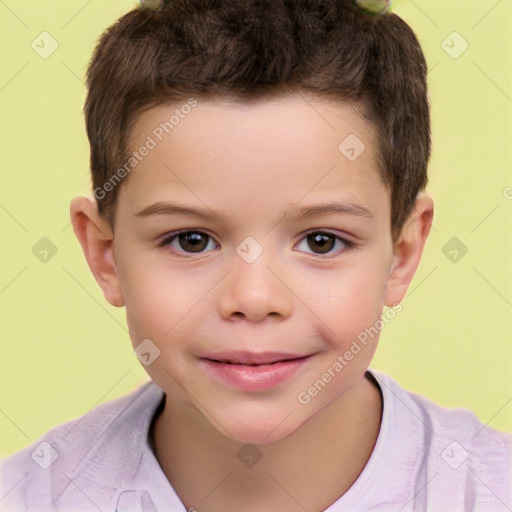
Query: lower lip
point(253, 378)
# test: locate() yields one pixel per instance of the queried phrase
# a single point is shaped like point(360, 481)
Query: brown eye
point(322, 242)
point(192, 241)
point(188, 242)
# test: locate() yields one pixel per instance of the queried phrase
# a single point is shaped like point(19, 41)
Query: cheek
point(351, 302)
point(148, 299)
point(160, 300)
point(160, 307)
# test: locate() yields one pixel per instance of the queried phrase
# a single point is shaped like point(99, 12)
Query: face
point(254, 271)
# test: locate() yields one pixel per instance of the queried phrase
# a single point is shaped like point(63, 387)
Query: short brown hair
point(249, 50)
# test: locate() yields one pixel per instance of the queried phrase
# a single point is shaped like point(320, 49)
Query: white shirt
point(427, 458)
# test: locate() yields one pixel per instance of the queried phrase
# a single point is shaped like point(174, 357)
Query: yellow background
point(65, 349)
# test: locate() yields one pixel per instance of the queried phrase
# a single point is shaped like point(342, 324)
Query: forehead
point(223, 153)
point(292, 119)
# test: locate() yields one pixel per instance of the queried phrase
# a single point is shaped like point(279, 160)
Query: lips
point(271, 370)
point(252, 358)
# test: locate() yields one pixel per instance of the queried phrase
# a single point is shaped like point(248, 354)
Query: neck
point(308, 470)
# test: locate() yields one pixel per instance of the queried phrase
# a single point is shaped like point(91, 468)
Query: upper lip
point(245, 357)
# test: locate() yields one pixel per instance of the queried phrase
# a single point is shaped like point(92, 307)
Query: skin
point(244, 164)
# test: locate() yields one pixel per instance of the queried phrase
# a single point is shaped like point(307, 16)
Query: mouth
point(253, 376)
point(253, 359)
point(225, 361)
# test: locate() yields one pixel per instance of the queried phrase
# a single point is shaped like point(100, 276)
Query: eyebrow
point(292, 212)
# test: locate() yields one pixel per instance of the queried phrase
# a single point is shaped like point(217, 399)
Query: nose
point(255, 290)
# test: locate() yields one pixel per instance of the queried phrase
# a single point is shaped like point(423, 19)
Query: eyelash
point(165, 243)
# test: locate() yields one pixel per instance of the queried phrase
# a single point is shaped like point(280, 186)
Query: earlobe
point(96, 238)
point(408, 250)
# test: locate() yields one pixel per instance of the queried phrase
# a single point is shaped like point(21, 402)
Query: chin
point(253, 429)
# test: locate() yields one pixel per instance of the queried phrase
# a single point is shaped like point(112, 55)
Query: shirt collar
point(121, 473)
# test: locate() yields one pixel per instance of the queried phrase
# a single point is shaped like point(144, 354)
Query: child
point(266, 129)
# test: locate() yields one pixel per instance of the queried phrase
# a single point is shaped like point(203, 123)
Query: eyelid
point(166, 240)
point(173, 234)
point(344, 237)
point(346, 240)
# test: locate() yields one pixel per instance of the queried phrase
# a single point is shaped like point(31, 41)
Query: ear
point(96, 236)
point(408, 249)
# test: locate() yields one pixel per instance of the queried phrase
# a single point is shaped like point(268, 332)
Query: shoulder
point(470, 455)
point(459, 459)
point(33, 478)
point(469, 438)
